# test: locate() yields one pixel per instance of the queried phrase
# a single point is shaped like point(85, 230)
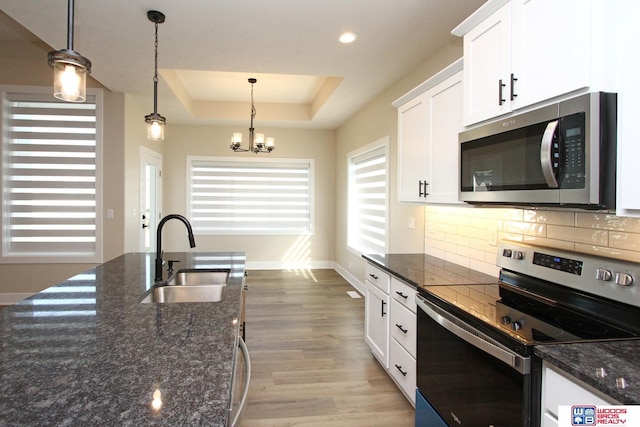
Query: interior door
point(150, 197)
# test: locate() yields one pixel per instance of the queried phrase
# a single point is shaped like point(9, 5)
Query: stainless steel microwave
point(563, 154)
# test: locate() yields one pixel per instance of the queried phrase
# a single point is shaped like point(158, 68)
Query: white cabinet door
point(550, 51)
point(412, 156)
point(377, 323)
point(444, 122)
point(428, 127)
point(487, 67)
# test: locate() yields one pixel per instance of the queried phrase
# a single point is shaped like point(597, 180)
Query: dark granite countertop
point(421, 271)
point(588, 361)
point(582, 360)
point(86, 352)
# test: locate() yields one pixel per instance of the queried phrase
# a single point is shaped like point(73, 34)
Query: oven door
point(469, 379)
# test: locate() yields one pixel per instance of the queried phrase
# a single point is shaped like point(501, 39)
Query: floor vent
point(353, 294)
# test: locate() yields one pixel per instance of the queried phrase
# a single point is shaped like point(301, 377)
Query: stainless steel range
point(475, 362)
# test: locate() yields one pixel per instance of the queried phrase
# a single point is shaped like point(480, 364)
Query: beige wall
point(262, 251)
point(379, 119)
point(25, 64)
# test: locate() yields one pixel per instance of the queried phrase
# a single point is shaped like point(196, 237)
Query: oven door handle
point(475, 337)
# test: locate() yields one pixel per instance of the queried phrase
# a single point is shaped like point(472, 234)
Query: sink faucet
point(159, 261)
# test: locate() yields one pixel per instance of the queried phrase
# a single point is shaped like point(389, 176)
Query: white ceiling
point(209, 48)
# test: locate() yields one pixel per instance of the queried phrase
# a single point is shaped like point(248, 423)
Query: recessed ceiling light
point(347, 38)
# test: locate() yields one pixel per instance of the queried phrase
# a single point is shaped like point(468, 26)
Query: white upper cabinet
point(412, 146)
point(429, 120)
point(528, 51)
point(487, 67)
point(551, 48)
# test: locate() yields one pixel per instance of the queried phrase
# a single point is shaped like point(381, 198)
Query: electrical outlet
point(412, 222)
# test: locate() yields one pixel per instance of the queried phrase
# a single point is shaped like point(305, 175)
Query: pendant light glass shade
point(70, 69)
point(155, 127)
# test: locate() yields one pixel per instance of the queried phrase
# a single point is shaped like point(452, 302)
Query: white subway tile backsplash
point(578, 235)
point(466, 235)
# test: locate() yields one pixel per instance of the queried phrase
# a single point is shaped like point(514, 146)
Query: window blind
point(49, 176)
point(368, 202)
point(238, 197)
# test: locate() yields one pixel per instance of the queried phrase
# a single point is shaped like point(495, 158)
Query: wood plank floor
point(311, 366)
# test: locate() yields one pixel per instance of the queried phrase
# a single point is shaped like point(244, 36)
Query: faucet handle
point(171, 262)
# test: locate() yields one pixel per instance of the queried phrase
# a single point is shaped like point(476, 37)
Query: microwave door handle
point(546, 154)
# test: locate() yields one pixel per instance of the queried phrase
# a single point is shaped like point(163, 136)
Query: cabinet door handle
point(426, 192)
point(419, 188)
point(513, 84)
point(501, 85)
point(373, 276)
point(404, 331)
point(402, 295)
point(382, 313)
point(399, 368)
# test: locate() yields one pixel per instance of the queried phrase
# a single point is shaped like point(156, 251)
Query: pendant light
point(257, 142)
point(70, 69)
point(155, 122)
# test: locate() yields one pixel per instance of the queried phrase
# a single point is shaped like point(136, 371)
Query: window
point(50, 178)
point(250, 196)
point(367, 216)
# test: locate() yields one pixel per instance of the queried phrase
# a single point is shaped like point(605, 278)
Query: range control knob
point(624, 279)
point(518, 255)
point(506, 253)
point(516, 326)
point(505, 320)
point(603, 274)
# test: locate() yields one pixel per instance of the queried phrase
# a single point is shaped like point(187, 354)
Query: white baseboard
point(353, 281)
point(315, 265)
point(8, 298)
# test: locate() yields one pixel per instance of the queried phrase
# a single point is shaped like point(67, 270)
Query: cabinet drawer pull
point(404, 331)
point(373, 276)
point(399, 368)
point(402, 295)
point(501, 85)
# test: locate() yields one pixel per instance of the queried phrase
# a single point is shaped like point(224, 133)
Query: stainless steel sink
point(190, 285)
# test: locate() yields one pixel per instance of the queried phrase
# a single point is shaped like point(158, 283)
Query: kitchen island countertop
point(87, 352)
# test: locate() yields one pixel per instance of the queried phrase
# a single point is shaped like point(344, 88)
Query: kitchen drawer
point(404, 294)
point(378, 277)
point(403, 326)
point(402, 367)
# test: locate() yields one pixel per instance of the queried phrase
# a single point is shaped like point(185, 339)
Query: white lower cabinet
point(562, 389)
point(402, 367)
point(377, 323)
point(390, 327)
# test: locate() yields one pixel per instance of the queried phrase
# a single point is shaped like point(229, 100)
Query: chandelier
point(155, 122)
point(257, 142)
point(70, 69)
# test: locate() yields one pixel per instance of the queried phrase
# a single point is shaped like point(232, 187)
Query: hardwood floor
point(310, 364)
